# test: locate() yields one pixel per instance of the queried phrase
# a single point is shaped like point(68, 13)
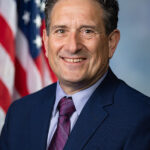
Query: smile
point(73, 60)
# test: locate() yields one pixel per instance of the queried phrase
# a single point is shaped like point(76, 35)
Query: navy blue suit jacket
point(116, 117)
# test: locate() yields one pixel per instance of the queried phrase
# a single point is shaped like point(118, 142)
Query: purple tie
point(66, 108)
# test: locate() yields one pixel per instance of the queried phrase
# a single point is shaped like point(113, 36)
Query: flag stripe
point(24, 68)
point(2, 118)
point(38, 63)
point(7, 54)
point(52, 75)
point(4, 96)
point(8, 11)
point(34, 81)
point(7, 40)
point(34, 78)
point(7, 69)
point(15, 95)
point(21, 79)
point(46, 73)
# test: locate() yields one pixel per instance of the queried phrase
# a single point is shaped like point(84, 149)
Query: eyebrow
point(88, 26)
point(81, 26)
point(58, 26)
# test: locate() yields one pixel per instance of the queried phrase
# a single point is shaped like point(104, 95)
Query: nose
point(72, 44)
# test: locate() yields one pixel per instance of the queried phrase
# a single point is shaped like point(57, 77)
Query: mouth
point(73, 60)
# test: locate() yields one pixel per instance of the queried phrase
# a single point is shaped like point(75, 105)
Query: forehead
point(83, 10)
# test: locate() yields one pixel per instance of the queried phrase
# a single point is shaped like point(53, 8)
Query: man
point(89, 108)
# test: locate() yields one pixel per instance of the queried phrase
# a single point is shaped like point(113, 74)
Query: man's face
point(77, 46)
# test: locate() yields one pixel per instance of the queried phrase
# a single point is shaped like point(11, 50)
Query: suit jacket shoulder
point(27, 121)
point(115, 117)
point(30, 101)
point(131, 101)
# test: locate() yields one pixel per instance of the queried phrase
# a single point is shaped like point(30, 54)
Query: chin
point(72, 80)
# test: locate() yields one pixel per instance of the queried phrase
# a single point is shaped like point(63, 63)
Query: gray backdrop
point(131, 61)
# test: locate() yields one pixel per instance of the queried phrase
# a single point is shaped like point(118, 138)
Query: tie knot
point(66, 107)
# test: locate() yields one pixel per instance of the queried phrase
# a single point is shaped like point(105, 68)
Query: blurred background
point(131, 61)
point(24, 68)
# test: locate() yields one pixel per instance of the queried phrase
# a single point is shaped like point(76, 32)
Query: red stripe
point(52, 75)
point(20, 79)
point(7, 38)
point(5, 98)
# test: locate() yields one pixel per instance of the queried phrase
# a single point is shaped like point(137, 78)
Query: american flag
point(24, 68)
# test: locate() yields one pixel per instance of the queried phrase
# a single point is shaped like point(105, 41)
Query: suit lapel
point(89, 120)
point(91, 117)
point(40, 120)
point(93, 114)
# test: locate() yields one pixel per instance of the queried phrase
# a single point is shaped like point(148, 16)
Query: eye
point(60, 31)
point(88, 31)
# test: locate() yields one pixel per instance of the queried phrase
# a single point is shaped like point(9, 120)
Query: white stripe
point(34, 81)
point(46, 73)
point(15, 95)
point(7, 69)
point(8, 11)
point(2, 118)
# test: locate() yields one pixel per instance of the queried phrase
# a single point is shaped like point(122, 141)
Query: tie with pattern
point(66, 108)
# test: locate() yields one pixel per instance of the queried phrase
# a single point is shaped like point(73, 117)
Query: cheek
point(99, 57)
point(96, 60)
point(56, 42)
point(96, 51)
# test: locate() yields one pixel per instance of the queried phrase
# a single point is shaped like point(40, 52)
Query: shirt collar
point(80, 98)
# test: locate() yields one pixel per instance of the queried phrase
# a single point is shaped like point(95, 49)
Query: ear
point(45, 40)
point(114, 38)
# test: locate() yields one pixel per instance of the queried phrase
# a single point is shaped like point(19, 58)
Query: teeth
point(75, 60)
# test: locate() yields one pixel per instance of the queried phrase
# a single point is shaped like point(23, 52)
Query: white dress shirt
point(79, 99)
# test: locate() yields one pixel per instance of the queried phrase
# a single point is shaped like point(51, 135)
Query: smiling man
point(77, 45)
point(89, 107)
